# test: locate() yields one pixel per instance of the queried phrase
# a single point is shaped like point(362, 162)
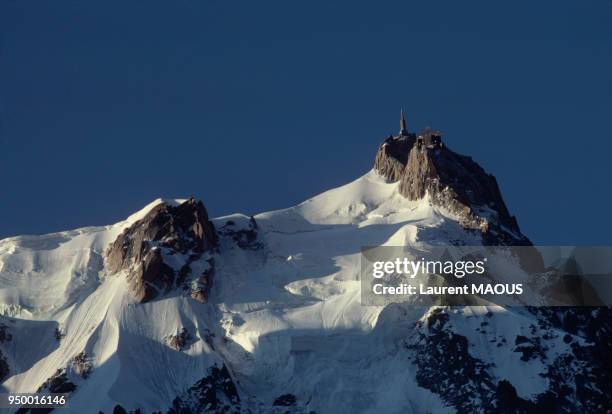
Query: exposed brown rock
point(182, 231)
point(425, 166)
point(392, 156)
point(81, 365)
point(457, 183)
point(180, 340)
point(200, 287)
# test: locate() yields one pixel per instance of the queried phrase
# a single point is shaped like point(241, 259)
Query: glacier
point(283, 328)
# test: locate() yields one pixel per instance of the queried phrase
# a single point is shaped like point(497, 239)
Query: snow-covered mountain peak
point(140, 214)
point(367, 200)
point(425, 167)
point(159, 250)
point(277, 323)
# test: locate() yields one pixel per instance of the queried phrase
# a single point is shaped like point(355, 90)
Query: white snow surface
point(285, 319)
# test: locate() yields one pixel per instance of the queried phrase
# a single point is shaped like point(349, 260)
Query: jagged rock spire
point(424, 167)
point(184, 231)
point(403, 131)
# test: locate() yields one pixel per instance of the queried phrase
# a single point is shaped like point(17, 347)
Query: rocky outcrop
point(59, 334)
point(445, 365)
point(578, 378)
point(81, 365)
point(215, 393)
point(5, 333)
point(460, 185)
point(4, 368)
point(392, 156)
point(424, 166)
point(157, 252)
point(285, 400)
point(180, 340)
point(5, 336)
point(58, 383)
point(244, 236)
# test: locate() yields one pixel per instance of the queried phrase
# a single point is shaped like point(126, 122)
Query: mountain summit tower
point(403, 131)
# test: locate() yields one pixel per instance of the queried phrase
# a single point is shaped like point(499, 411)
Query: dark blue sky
point(254, 106)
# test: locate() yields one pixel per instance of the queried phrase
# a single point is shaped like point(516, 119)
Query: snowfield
point(284, 318)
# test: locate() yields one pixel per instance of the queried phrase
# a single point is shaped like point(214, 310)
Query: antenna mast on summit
point(403, 131)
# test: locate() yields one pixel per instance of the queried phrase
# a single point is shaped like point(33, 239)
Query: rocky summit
point(425, 167)
point(127, 318)
point(158, 250)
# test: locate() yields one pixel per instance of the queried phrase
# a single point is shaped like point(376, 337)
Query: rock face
point(158, 251)
point(180, 340)
point(245, 237)
point(5, 336)
point(58, 383)
point(392, 156)
point(81, 365)
point(578, 378)
point(424, 166)
point(215, 393)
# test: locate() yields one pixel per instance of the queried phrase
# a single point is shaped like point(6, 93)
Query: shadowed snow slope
point(283, 328)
